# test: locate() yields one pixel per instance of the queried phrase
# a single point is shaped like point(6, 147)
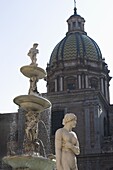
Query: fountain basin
point(31, 162)
point(31, 71)
point(32, 102)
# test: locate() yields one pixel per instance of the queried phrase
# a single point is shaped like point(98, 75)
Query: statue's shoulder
point(59, 131)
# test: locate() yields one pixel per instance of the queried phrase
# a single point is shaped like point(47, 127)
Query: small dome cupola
point(76, 45)
point(75, 23)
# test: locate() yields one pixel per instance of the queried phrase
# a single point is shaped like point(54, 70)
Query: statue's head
point(69, 117)
point(35, 45)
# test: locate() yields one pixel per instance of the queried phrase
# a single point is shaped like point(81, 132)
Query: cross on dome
point(74, 3)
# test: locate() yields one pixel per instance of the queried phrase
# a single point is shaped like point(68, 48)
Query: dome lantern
point(76, 45)
point(75, 23)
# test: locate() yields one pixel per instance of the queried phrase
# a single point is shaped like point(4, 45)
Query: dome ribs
point(62, 51)
point(97, 49)
point(77, 45)
point(58, 50)
point(83, 45)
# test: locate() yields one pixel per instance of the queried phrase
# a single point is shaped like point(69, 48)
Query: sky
point(25, 22)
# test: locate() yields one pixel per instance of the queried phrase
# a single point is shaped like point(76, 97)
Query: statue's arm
point(58, 148)
point(75, 148)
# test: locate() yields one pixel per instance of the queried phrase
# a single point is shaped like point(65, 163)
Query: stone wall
point(101, 161)
point(7, 134)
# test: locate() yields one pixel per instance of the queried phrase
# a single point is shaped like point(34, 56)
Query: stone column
point(102, 85)
point(79, 81)
point(86, 81)
point(108, 93)
point(61, 83)
point(106, 90)
point(76, 23)
point(83, 80)
point(55, 85)
point(97, 127)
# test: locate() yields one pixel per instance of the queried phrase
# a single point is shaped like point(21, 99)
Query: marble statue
point(31, 126)
point(33, 85)
point(67, 144)
point(32, 54)
point(31, 149)
point(31, 132)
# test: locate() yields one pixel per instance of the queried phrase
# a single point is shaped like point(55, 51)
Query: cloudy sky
point(24, 22)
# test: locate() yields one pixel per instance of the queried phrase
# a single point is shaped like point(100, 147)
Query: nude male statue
point(32, 54)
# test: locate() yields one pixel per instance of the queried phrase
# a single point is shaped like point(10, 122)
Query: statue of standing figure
point(31, 126)
point(33, 85)
point(32, 54)
point(67, 144)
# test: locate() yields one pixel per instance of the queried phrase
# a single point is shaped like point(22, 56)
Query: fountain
point(33, 104)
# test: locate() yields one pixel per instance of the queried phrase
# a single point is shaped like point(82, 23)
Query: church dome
point(76, 43)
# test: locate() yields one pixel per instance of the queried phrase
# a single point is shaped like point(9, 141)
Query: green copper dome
point(76, 43)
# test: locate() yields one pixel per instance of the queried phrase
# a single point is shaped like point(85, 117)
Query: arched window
point(71, 83)
point(52, 87)
point(93, 82)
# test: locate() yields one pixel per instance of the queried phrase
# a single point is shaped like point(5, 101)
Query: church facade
point(78, 82)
